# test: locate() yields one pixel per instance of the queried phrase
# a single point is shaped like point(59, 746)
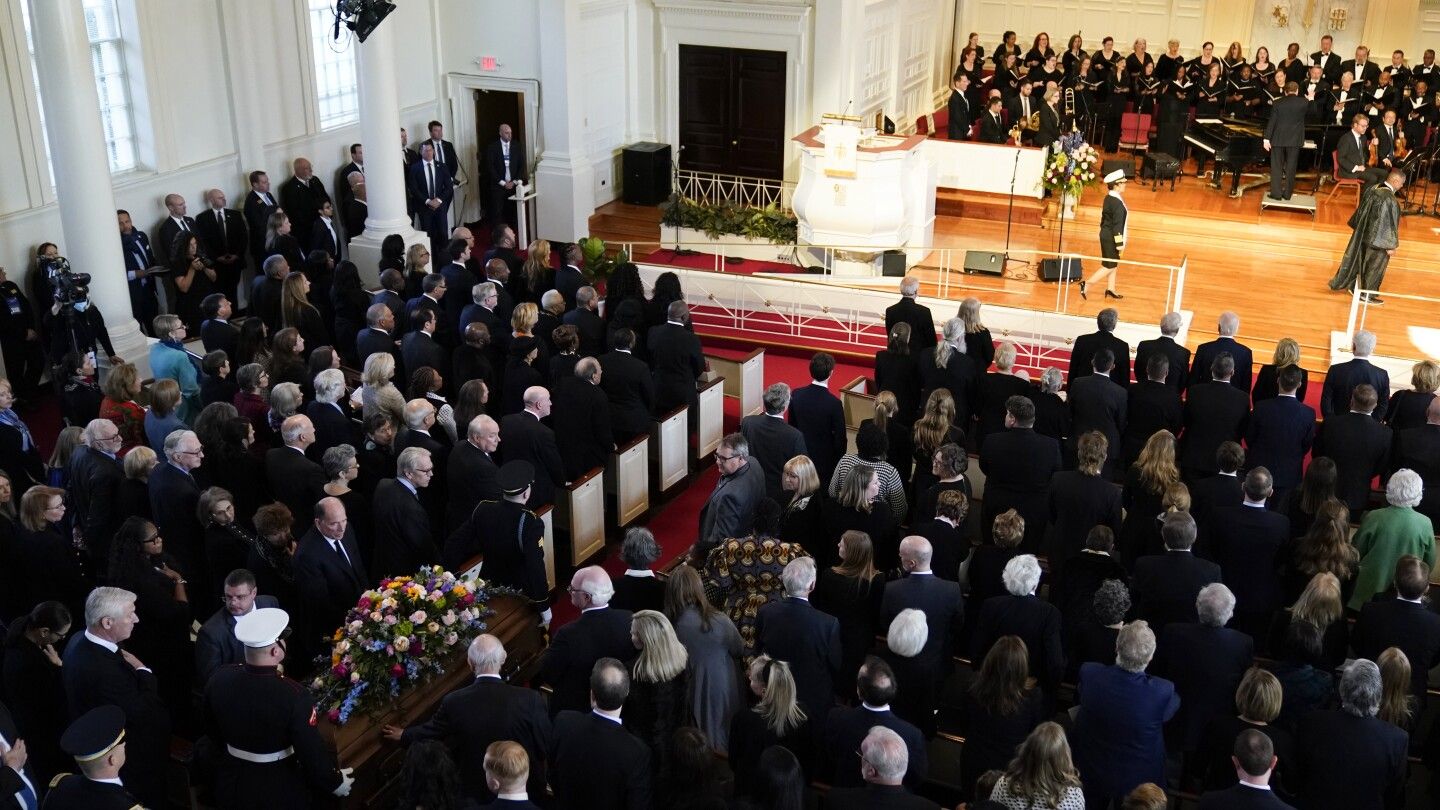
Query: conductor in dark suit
point(1342, 378)
point(225, 238)
point(818, 415)
point(958, 109)
point(1280, 433)
point(215, 644)
point(1165, 585)
point(1082, 353)
point(1359, 446)
point(792, 630)
point(302, 197)
point(1114, 222)
point(676, 360)
point(1178, 355)
point(992, 126)
point(431, 184)
point(1205, 354)
point(403, 540)
point(485, 711)
point(1097, 402)
point(772, 441)
point(906, 310)
point(1284, 135)
point(1254, 760)
point(526, 438)
point(328, 569)
point(504, 167)
point(598, 764)
point(600, 632)
point(1215, 412)
point(1353, 152)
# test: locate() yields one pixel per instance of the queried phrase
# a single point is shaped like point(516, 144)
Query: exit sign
point(489, 63)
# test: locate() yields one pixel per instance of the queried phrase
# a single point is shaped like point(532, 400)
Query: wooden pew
point(669, 449)
point(859, 405)
point(580, 515)
point(744, 378)
point(710, 423)
point(627, 479)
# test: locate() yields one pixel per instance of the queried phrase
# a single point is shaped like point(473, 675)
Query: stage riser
point(973, 205)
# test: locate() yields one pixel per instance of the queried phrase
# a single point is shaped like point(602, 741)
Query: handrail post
point(1180, 283)
point(1354, 312)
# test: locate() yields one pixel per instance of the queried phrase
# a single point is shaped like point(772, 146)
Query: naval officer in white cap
point(1113, 215)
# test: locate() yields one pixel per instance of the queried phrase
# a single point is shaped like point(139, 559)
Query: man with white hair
point(1020, 612)
point(884, 760)
point(473, 469)
point(1176, 353)
point(792, 630)
point(297, 481)
point(403, 537)
point(174, 497)
point(1348, 757)
point(1341, 379)
point(487, 710)
point(600, 632)
point(773, 441)
point(93, 483)
point(526, 438)
point(1205, 660)
point(1386, 535)
point(918, 316)
point(939, 600)
point(99, 672)
point(1245, 540)
point(1206, 353)
point(327, 414)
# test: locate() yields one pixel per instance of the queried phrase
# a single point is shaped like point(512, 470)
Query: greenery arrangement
point(769, 223)
point(1073, 165)
point(599, 264)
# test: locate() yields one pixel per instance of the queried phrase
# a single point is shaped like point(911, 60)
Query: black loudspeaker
point(984, 261)
point(1050, 270)
point(1127, 166)
point(892, 263)
point(647, 173)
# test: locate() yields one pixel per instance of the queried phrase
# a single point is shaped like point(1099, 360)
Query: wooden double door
point(732, 111)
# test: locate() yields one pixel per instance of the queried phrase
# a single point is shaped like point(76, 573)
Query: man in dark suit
point(392, 294)
point(1215, 412)
point(1280, 432)
point(627, 382)
point(772, 441)
point(504, 167)
point(93, 480)
point(98, 672)
point(1348, 757)
point(957, 127)
point(296, 481)
point(1245, 541)
point(356, 209)
point(328, 569)
point(526, 438)
point(793, 630)
point(1353, 153)
point(1178, 355)
point(1284, 135)
point(1097, 402)
point(1418, 449)
point(589, 324)
point(333, 426)
point(1216, 491)
point(459, 281)
point(403, 539)
point(884, 760)
point(992, 125)
point(846, 728)
point(377, 337)
point(508, 538)
point(419, 349)
point(581, 417)
point(174, 496)
point(215, 644)
point(1206, 353)
point(216, 331)
point(1018, 464)
point(176, 221)
point(1254, 761)
point(918, 316)
point(1402, 620)
point(1363, 68)
point(1165, 585)
point(259, 205)
point(472, 471)
point(939, 599)
point(1205, 660)
point(1152, 405)
point(342, 177)
point(485, 711)
point(223, 237)
point(325, 234)
point(597, 763)
point(818, 415)
point(1359, 446)
point(1342, 378)
point(1082, 354)
point(569, 278)
point(267, 290)
point(444, 150)
point(676, 360)
point(730, 509)
point(302, 196)
point(431, 185)
point(1327, 60)
point(139, 259)
point(600, 632)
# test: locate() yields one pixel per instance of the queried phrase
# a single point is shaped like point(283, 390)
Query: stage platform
point(1271, 268)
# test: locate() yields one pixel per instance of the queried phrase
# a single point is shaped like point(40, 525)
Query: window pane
point(337, 100)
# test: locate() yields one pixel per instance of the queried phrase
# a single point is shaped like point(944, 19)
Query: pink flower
point(339, 670)
point(334, 715)
point(397, 671)
point(391, 619)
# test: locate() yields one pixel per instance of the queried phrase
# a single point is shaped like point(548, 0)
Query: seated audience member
point(638, 588)
point(1042, 771)
point(846, 728)
point(1403, 621)
point(1257, 704)
point(1388, 534)
point(596, 762)
point(884, 762)
point(1254, 760)
point(600, 632)
point(1165, 585)
point(1000, 709)
point(1022, 613)
point(792, 630)
point(915, 702)
point(1348, 757)
point(1118, 726)
point(776, 720)
point(1205, 661)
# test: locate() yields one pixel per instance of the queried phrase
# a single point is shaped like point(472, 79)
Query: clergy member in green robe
point(1376, 225)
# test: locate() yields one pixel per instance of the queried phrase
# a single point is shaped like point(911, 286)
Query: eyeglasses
point(430, 471)
point(154, 538)
point(227, 598)
point(199, 452)
point(720, 458)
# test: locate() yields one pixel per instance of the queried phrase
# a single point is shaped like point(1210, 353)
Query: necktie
point(439, 153)
point(184, 226)
point(430, 179)
point(267, 199)
point(220, 222)
point(505, 149)
point(339, 548)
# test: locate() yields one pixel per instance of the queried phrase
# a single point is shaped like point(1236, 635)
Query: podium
point(862, 194)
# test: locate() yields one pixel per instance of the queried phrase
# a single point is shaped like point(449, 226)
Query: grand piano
point(1237, 145)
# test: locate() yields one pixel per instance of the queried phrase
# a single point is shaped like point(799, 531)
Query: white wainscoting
point(669, 441)
point(580, 508)
point(627, 477)
point(710, 427)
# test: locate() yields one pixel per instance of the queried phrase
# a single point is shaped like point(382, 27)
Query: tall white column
point(564, 178)
point(384, 173)
point(82, 170)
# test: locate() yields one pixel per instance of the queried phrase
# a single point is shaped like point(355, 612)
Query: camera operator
point(77, 324)
point(20, 343)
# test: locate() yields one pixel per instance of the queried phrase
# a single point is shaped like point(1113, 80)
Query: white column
point(82, 170)
point(564, 178)
point(380, 133)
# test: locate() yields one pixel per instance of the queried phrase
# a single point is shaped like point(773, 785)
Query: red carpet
point(711, 261)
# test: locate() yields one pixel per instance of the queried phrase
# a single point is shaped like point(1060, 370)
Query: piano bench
point(1160, 166)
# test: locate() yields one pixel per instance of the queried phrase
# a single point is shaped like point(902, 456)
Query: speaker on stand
point(646, 169)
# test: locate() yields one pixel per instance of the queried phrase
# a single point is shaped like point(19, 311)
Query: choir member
point(1074, 52)
point(1039, 51)
point(1171, 64)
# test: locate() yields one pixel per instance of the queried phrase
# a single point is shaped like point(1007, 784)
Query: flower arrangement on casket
point(396, 636)
point(1073, 165)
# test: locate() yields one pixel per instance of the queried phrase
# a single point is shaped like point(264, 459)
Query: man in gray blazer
point(730, 510)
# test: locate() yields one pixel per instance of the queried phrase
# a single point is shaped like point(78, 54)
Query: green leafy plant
point(770, 223)
point(598, 261)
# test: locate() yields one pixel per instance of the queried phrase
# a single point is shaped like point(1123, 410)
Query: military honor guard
point(510, 536)
point(97, 742)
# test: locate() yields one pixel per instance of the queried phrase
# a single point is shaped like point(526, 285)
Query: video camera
point(69, 286)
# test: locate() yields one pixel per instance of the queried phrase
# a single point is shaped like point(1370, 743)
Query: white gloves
point(346, 782)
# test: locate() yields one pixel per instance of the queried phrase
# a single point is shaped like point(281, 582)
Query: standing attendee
point(1042, 770)
point(175, 498)
point(1348, 756)
point(817, 414)
point(176, 222)
point(1403, 621)
point(259, 205)
point(714, 647)
point(139, 261)
point(98, 744)
point(846, 728)
point(1284, 135)
point(329, 569)
point(1341, 379)
point(1165, 585)
point(1385, 535)
point(1114, 228)
point(1020, 612)
point(1215, 414)
point(1079, 500)
point(302, 197)
point(431, 184)
point(403, 536)
point(730, 509)
point(581, 418)
point(1358, 444)
point(774, 442)
point(215, 644)
point(916, 315)
point(32, 687)
point(597, 763)
point(660, 689)
point(938, 598)
point(677, 360)
point(1247, 542)
point(526, 438)
point(1205, 660)
point(601, 632)
point(638, 588)
point(958, 107)
point(1019, 464)
point(170, 361)
point(1152, 405)
point(1082, 354)
point(224, 237)
point(1178, 355)
point(1280, 432)
point(1206, 354)
point(884, 761)
point(46, 562)
point(795, 631)
point(1254, 762)
point(504, 168)
point(1098, 402)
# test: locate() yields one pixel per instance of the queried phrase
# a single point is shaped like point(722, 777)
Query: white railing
point(709, 188)
point(1422, 330)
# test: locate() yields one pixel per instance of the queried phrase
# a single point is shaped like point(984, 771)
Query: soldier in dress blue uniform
point(97, 742)
point(273, 756)
point(510, 536)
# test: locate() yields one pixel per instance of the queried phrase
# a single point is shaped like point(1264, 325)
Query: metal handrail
point(713, 188)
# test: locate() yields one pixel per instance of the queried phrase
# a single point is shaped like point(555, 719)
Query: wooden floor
point(1270, 268)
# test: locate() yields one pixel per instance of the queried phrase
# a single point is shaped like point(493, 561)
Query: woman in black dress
point(1000, 710)
point(933, 430)
point(1147, 481)
point(1317, 489)
point(972, 64)
point(667, 290)
point(897, 371)
point(993, 389)
point(1263, 70)
point(1145, 89)
point(238, 469)
point(227, 546)
point(1137, 60)
point(296, 311)
point(520, 374)
point(802, 511)
point(851, 591)
point(1171, 63)
point(898, 451)
point(1292, 67)
point(982, 571)
point(948, 366)
point(253, 345)
point(947, 465)
point(1257, 704)
point(417, 267)
point(1287, 353)
point(133, 498)
point(979, 345)
point(776, 719)
point(50, 566)
point(350, 301)
point(659, 701)
point(271, 557)
point(1079, 500)
point(32, 688)
point(1094, 635)
point(1074, 54)
point(194, 277)
point(1007, 48)
point(287, 359)
point(280, 242)
point(858, 506)
point(1199, 67)
point(1407, 408)
point(1234, 58)
point(140, 564)
point(1007, 77)
point(1040, 50)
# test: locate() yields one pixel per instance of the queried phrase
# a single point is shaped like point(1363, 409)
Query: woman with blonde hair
point(850, 590)
point(994, 388)
point(898, 450)
point(857, 506)
point(1287, 353)
point(1407, 408)
point(50, 567)
point(298, 313)
point(978, 343)
point(1042, 774)
point(800, 478)
point(1322, 604)
point(934, 429)
point(1001, 708)
point(377, 393)
point(119, 406)
point(535, 274)
point(776, 719)
point(1324, 549)
point(659, 699)
point(898, 370)
point(1397, 705)
point(1258, 699)
point(1152, 475)
point(950, 367)
point(133, 496)
point(280, 242)
point(417, 267)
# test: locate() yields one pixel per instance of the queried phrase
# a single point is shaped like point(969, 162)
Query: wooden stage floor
point(1270, 268)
